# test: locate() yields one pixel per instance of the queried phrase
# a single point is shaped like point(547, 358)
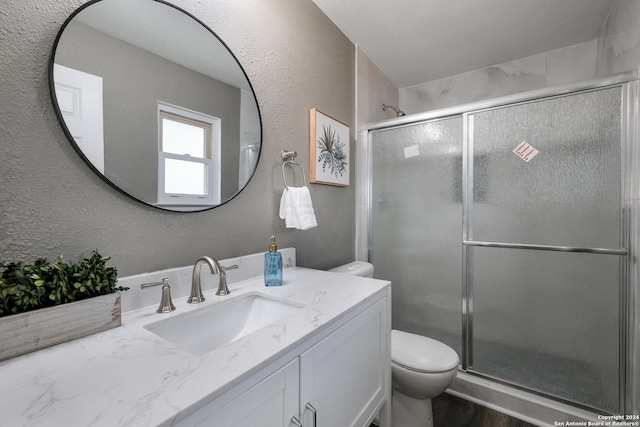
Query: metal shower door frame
point(630, 215)
point(627, 169)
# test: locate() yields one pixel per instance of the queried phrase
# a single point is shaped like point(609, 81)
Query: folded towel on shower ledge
point(296, 208)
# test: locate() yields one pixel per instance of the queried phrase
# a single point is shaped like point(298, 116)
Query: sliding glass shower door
point(503, 234)
point(544, 246)
point(417, 225)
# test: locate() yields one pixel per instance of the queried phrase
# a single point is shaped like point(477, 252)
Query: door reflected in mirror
point(155, 103)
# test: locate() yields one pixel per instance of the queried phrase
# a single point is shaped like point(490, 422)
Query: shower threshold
point(517, 403)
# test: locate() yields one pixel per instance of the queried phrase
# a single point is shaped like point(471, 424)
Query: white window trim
point(212, 160)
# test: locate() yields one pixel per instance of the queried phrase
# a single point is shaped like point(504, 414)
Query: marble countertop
point(128, 376)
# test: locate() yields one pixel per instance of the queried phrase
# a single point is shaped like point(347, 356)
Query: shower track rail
point(604, 251)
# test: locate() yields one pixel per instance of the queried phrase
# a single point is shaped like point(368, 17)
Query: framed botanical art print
point(328, 150)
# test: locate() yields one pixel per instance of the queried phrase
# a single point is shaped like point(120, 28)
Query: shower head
point(399, 112)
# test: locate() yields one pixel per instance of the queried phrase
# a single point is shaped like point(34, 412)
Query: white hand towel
point(296, 208)
point(286, 210)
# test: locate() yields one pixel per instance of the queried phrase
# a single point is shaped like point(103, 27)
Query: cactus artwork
point(329, 150)
point(332, 154)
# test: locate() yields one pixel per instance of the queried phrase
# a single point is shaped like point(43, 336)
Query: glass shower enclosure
point(504, 232)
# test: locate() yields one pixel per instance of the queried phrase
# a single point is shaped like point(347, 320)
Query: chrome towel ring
point(289, 157)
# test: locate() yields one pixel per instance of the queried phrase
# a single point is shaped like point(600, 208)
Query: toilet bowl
point(421, 368)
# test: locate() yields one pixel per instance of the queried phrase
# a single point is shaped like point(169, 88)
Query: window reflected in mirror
point(188, 157)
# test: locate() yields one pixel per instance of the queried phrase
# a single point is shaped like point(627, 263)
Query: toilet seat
point(421, 354)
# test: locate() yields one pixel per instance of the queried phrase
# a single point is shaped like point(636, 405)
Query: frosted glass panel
point(417, 225)
point(545, 321)
point(548, 321)
point(569, 193)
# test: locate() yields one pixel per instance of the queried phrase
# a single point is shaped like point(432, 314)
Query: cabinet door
point(345, 377)
point(272, 402)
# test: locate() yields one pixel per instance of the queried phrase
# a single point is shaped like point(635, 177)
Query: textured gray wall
point(51, 203)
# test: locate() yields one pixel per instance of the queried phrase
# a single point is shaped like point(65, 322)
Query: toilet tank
point(355, 268)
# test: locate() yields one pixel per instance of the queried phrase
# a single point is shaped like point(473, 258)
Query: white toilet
point(421, 368)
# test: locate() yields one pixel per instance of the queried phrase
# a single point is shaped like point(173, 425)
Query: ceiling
point(416, 41)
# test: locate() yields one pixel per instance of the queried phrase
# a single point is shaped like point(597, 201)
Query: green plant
point(26, 287)
point(332, 153)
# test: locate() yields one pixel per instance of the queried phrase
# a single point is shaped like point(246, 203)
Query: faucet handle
point(166, 305)
point(222, 284)
point(231, 267)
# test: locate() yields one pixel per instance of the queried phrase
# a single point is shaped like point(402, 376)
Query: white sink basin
point(208, 328)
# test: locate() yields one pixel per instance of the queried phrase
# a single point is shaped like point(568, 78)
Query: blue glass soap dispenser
point(273, 265)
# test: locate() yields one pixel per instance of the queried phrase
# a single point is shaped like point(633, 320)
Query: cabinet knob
point(295, 421)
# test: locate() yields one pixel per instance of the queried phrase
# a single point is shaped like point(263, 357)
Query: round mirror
point(155, 103)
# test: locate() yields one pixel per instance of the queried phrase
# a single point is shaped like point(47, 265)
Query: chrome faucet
point(196, 288)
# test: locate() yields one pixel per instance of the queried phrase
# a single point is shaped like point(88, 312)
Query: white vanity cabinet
point(343, 376)
point(332, 355)
point(272, 402)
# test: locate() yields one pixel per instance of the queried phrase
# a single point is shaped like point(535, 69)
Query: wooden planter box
point(34, 330)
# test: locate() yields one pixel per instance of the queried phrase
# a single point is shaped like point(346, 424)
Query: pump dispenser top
point(273, 247)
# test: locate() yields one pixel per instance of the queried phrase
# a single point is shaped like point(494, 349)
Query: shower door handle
point(602, 251)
